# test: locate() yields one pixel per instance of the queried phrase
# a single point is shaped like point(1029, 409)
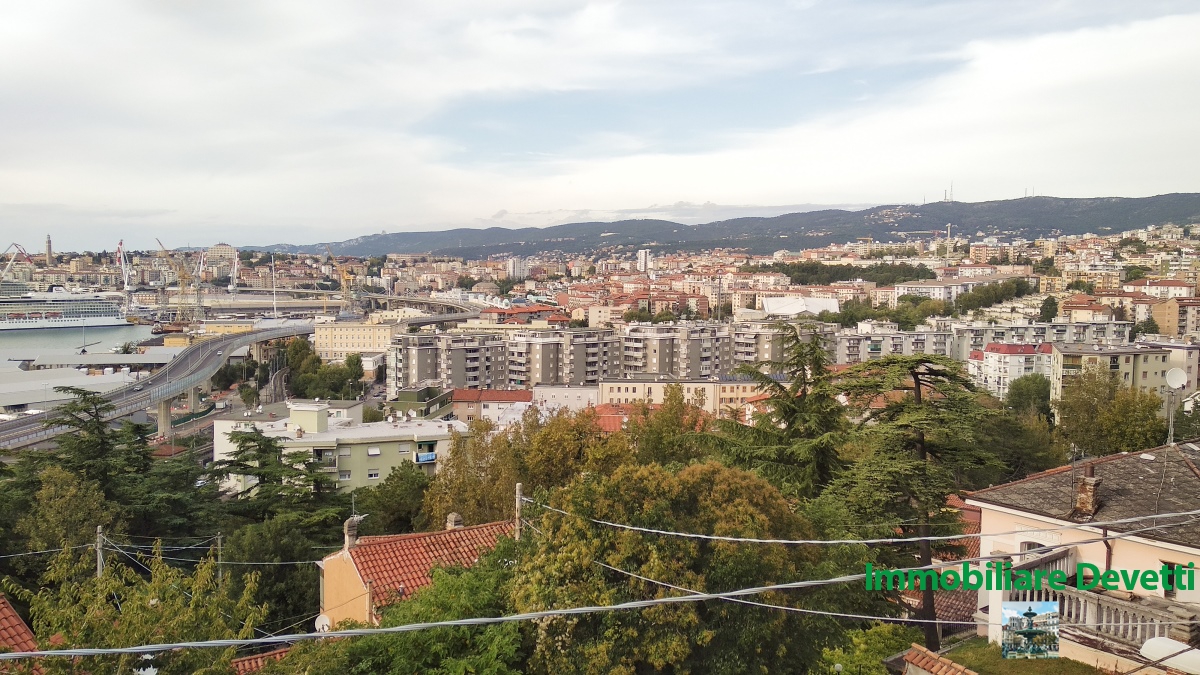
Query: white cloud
point(262, 122)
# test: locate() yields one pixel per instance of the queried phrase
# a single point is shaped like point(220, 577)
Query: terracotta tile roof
point(931, 662)
point(957, 606)
point(14, 634)
point(404, 561)
point(492, 395)
point(256, 662)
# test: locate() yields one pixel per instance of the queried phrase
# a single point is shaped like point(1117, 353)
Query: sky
point(197, 121)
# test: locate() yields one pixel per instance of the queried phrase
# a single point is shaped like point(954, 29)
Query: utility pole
point(220, 557)
point(517, 513)
point(99, 551)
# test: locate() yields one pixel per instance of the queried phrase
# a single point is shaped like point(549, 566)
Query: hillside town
point(435, 413)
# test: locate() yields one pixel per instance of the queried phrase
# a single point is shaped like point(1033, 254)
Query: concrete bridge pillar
point(193, 399)
point(164, 418)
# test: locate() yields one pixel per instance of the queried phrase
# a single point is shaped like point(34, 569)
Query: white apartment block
point(1160, 288)
point(948, 290)
point(551, 397)
point(975, 335)
point(997, 365)
point(874, 340)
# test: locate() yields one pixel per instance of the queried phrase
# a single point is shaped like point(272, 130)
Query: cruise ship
point(59, 309)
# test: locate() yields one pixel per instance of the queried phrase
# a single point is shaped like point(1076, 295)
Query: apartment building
point(970, 336)
point(575, 398)
point(1184, 355)
point(996, 365)
point(715, 395)
point(1161, 288)
point(757, 341)
point(1177, 316)
point(873, 340)
point(578, 357)
point(353, 453)
point(680, 350)
point(1137, 365)
point(335, 341)
point(487, 404)
point(455, 360)
point(949, 289)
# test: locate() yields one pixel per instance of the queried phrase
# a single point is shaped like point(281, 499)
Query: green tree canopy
point(1029, 393)
point(1049, 309)
point(1098, 416)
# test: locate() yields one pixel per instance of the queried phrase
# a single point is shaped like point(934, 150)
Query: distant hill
point(1029, 217)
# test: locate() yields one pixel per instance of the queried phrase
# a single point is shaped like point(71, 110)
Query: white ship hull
point(65, 322)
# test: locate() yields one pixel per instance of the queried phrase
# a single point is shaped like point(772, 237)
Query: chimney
point(453, 521)
point(1085, 494)
point(350, 530)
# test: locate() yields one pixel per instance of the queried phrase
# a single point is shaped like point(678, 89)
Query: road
point(194, 366)
point(190, 368)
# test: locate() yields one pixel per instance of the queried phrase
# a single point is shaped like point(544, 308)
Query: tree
point(1029, 393)
point(276, 482)
point(122, 608)
point(288, 592)
point(248, 394)
point(868, 648)
point(925, 423)
point(1097, 416)
point(477, 479)
point(572, 563)
point(1082, 286)
point(354, 364)
point(91, 450)
point(793, 442)
point(1049, 309)
point(66, 511)
point(394, 504)
point(669, 435)
point(1147, 327)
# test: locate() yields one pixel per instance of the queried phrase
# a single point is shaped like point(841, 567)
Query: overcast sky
point(290, 121)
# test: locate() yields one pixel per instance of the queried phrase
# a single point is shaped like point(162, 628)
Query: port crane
point(17, 250)
point(184, 311)
point(347, 281)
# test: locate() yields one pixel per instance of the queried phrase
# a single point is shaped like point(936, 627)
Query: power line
point(49, 550)
point(526, 616)
point(889, 540)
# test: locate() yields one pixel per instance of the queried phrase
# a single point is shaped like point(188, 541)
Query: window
point(372, 452)
point(343, 475)
point(1167, 586)
point(372, 474)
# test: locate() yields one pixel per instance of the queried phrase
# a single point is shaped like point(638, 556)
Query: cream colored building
point(1138, 365)
point(714, 395)
point(335, 341)
point(1026, 522)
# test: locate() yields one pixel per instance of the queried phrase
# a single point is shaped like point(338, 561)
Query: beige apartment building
point(335, 341)
point(454, 360)
point(715, 395)
point(1177, 316)
point(1137, 365)
point(684, 350)
point(575, 357)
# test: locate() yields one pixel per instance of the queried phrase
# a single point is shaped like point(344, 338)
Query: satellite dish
point(1176, 378)
point(323, 623)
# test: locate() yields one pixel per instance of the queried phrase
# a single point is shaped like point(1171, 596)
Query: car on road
point(138, 388)
point(219, 352)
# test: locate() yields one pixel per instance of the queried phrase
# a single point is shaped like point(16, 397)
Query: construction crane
point(16, 251)
point(347, 281)
point(184, 312)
